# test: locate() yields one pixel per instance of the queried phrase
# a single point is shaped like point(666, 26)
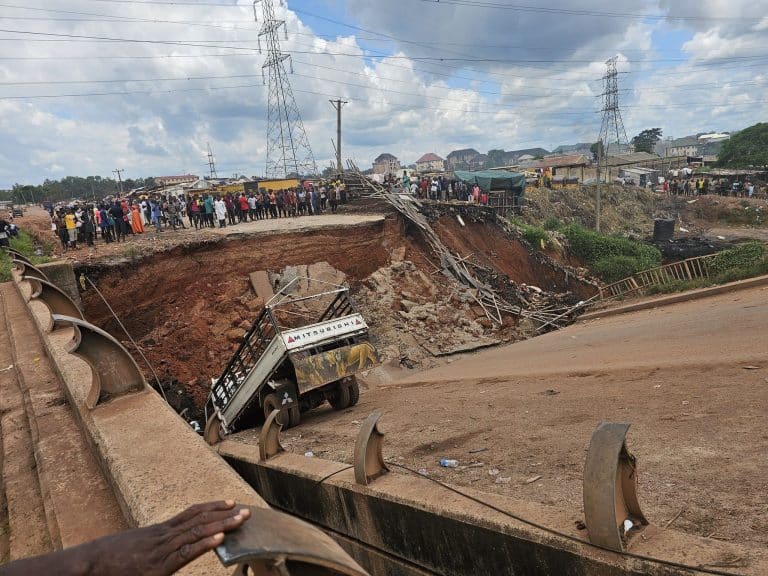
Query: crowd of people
point(702, 185)
point(439, 188)
point(114, 220)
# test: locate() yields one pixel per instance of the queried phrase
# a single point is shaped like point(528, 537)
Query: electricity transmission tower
point(612, 133)
point(288, 149)
point(211, 163)
point(613, 136)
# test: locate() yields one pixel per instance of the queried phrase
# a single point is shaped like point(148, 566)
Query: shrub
point(552, 223)
point(592, 247)
point(25, 243)
point(615, 268)
point(745, 256)
point(536, 237)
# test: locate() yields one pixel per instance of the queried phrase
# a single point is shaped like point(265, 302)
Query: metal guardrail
point(690, 269)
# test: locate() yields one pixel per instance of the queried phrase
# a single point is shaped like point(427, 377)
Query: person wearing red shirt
point(243, 208)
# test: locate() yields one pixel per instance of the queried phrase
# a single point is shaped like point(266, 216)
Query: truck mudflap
point(321, 369)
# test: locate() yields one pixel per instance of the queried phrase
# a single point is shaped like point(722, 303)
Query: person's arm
point(157, 550)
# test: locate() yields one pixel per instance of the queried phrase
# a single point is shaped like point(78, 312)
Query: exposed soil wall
point(188, 308)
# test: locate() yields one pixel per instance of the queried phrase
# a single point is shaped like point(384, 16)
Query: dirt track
point(678, 374)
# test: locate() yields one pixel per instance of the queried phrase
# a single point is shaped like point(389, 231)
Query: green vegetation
point(552, 223)
point(534, 235)
point(743, 257)
point(745, 261)
point(646, 140)
point(746, 149)
point(25, 244)
point(71, 187)
point(612, 258)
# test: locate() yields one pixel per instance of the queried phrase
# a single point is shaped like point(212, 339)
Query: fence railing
point(690, 269)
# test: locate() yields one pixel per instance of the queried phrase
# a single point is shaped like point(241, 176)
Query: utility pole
point(599, 191)
point(338, 104)
point(119, 171)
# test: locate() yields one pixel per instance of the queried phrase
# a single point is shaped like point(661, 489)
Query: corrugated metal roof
point(633, 158)
point(429, 157)
point(560, 161)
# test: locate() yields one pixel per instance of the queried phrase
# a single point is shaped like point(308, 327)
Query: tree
point(646, 140)
point(746, 149)
point(598, 150)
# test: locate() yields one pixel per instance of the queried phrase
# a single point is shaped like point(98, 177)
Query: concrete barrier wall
point(156, 464)
point(416, 527)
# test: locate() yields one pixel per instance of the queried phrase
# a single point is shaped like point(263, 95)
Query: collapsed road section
point(189, 308)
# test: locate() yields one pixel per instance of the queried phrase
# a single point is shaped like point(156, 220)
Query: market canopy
point(494, 180)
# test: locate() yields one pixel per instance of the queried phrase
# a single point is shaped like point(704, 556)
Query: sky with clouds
point(89, 86)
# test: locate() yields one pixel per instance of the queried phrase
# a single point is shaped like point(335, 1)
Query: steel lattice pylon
point(612, 132)
point(288, 149)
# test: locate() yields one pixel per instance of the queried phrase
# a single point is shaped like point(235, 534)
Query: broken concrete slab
point(261, 284)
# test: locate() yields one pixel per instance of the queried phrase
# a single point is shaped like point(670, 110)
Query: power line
point(437, 59)
point(579, 12)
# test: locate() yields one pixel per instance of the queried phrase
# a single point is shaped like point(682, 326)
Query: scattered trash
point(692, 201)
point(355, 423)
point(533, 479)
point(628, 525)
point(685, 402)
point(195, 426)
point(478, 450)
point(449, 463)
point(657, 386)
point(683, 229)
point(751, 367)
point(493, 472)
point(309, 454)
point(423, 472)
point(7, 368)
point(501, 480)
point(720, 237)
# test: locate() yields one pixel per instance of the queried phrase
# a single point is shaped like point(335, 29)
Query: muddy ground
point(690, 378)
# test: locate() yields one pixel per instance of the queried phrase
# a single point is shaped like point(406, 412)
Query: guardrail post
point(15, 254)
point(269, 437)
point(28, 270)
point(369, 461)
point(56, 300)
point(611, 508)
point(114, 370)
point(272, 543)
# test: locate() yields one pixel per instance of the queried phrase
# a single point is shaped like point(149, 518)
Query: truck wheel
point(339, 398)
point(213, 433)
point(354, 392)
point(294, 416)
point(271, 403)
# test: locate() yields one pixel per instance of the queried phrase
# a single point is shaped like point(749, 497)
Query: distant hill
point(580, 148)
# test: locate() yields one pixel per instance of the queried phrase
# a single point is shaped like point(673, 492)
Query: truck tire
point(339, 398)
point(294, 416)
point(272, 402)
point(354, 392)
